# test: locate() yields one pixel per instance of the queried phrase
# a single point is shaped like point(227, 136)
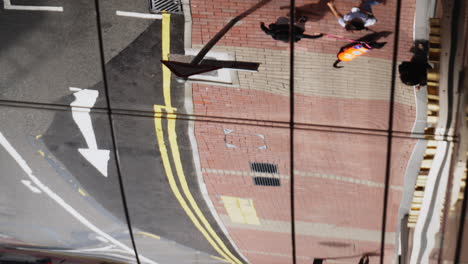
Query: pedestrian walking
point(280, 29)
point(359, 18)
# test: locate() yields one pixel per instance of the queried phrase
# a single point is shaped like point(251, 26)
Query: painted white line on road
point(81, 106)
point(8, 6)
point(100, 238)
point(29, 185)
point(74, 89)
point(138, 15)
point(22, 163)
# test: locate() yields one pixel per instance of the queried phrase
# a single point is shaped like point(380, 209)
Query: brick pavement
point(226, 102)
point(318, 199)
point(339, 176)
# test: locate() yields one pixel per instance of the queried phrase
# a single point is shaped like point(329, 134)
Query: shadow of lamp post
point(198, 65)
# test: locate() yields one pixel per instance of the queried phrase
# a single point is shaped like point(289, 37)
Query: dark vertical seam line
point(456, 148)
point(461, 229)
point(109, 115)
point(454, 24)
point(292, 37)
point(453, 54)
point(454, 49)
point(390, 129)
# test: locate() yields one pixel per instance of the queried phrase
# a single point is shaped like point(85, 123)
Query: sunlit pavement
point(205, 167)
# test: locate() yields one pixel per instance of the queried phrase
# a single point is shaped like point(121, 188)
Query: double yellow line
point(185, 199)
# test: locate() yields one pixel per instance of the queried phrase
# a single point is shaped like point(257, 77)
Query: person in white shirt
point(359, 18)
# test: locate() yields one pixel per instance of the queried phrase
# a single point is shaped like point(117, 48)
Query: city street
point(55, 54)
point(107, 157)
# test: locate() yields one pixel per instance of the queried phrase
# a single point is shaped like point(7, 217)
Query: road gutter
point(188, 107)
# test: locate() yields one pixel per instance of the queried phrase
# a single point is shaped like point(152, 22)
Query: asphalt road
point(51, 208)
point(42, 55)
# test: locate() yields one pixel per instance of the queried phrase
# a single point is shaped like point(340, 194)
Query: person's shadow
point(314, 12)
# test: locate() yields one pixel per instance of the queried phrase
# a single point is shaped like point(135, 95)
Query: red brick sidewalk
point(339, 176)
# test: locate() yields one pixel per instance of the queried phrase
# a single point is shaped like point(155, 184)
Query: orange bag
point(353, 52)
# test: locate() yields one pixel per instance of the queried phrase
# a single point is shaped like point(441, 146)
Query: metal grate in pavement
point(263, 167)
point(267, 181)
point(169, 6)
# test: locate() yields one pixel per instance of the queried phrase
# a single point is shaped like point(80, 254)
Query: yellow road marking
point(148, 235)
point(166, 36)
point(183, 182)
point(218, 258)
point(38, 136)
point(41, 153)
point(168, 109)
point(241, 210)
point(172, 182)
point(232, 208)
point(171, 119)
point(82, 192)
point(248, 210)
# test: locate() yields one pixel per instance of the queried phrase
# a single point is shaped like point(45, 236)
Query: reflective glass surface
point(209, 131)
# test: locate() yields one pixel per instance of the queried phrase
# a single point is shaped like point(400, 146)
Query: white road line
point(100, 238)
point(29, 185)
point(74, 89)
point(22, 163)
point(8, 6)
point(81, 106)
point(138, 15)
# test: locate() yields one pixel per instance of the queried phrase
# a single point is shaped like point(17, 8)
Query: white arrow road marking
point(7, 5)
point(84, 101)
point(22, 163)
point(30, 186)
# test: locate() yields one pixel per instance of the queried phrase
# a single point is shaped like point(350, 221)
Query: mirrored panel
point(220, 61)
point(212, 192)
point(343, 78)
point(259, 37)
point(60, 188)
point(427, 215)
point(48, 48)
point(406, 177)
point(339, 192)
point(227, 148)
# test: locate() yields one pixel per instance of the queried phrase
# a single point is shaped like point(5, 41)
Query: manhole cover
point(169, 6)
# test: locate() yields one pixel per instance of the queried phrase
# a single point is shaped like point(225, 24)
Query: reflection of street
point(42, 48)
point(201, 172)
point(76, 224)
point(193, 211)
point(62, 200)
point(340, 169)
point(72, 231)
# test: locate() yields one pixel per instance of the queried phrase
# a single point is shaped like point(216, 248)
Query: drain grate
point(169, 6)
point(263, 167)
point(267, 181)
